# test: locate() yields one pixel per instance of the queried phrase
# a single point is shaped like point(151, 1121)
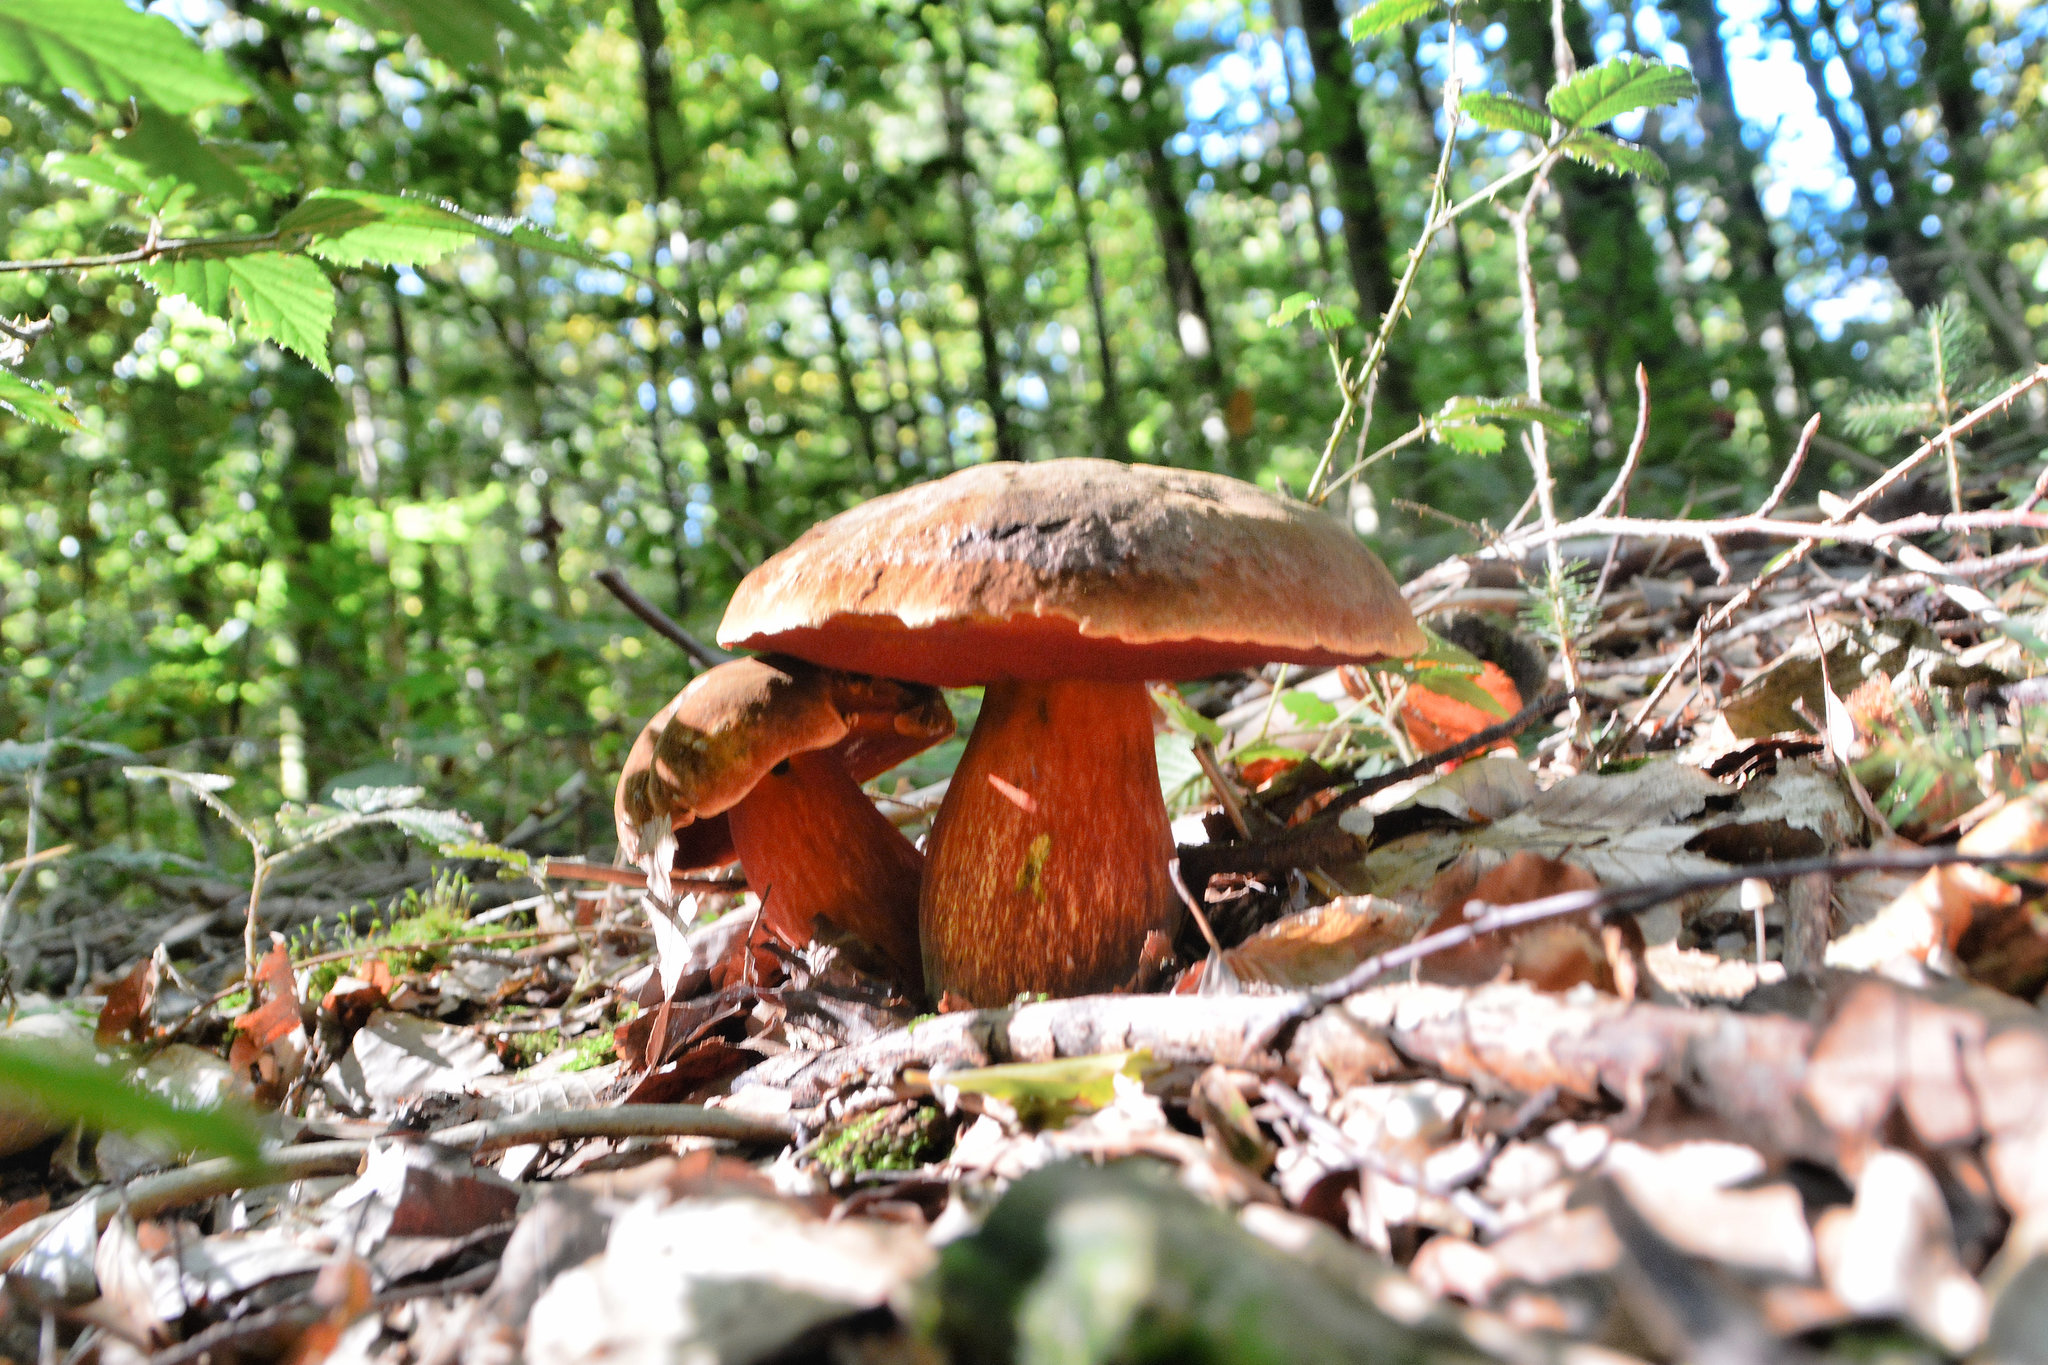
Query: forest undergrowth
point(1651, 968)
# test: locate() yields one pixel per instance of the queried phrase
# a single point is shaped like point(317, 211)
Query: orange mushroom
point(1064, 586)
point(763, 758)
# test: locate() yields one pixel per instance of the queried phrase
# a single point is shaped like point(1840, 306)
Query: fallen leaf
point(127, 1010)
point(270, 1039)
point(1553, 955)
point(1435, 721)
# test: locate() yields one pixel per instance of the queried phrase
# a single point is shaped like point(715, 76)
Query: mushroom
point(763, 758)
point(1064, 586)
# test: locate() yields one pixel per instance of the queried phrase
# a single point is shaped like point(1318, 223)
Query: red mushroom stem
point(813, 842)
point(1048, 858)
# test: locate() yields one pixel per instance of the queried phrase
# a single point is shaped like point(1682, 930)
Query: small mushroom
point(1064, 586)
point(763, 758)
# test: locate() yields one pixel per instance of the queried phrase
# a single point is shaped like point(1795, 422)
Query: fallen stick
point(153, 1194)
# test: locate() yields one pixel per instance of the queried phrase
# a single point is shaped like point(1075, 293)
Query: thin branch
point(1610, 902)
point(707, 655)
point(1617, 492)
point(151, 252)
point(1792, 467)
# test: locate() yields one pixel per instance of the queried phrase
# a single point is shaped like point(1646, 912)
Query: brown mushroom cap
point(702, 753)
point(1073, 568)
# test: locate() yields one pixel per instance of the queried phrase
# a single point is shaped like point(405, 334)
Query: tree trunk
point(960, 175)
point(1112, 438)
point(1154, 113)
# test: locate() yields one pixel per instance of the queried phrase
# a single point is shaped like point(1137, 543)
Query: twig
point(154, 1194)
point(1483, 918)
point(1792, 467)
point(1719, 619)
point(665, 626)
point(1616, 495)
point(577, 870)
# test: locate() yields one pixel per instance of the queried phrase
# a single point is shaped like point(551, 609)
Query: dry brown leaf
point(343, 1289)
point(1318, 944)
point(270, 1039)
point(1554, 955)
point(1892, 1253)
point(129, 1000)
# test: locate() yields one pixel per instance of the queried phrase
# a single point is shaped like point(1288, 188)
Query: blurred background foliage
point(808, 251)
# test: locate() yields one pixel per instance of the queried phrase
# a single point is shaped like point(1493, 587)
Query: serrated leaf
point(1611, 154)
point(109, 52)
point(1308, 708)
point(1618, 86)
point(1504, 113)
point(1384, 16)
point(200, 782)
point(1185, 718)
point(74, 1088)
point(1291, 307)
point(1472, 438)
point(1337, 316)
point(464, 32)
point(370, 800)
point(484, 851)
point(357, 227)
point(165, 145)
point(1519, 408)
point(201, 282)
point(16, 757)
point(32, 402)
point(286, 299)
point(436, 827)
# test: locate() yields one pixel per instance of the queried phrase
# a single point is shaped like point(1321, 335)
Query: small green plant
point(595, 1050)
point(899, 1138)
point(431, 916)
point(299, 829)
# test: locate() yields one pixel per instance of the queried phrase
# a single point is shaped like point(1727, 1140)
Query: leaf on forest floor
point(720, 1279)
point(399, 1057)
point(1318, 944)
point(269, 1047)
point(1046, 1093)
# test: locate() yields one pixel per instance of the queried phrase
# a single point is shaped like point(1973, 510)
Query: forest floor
point(1687, 1021)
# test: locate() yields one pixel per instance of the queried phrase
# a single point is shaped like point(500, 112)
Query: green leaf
point(1048, 1092)
point(1472, 438)
point(109, 52)
point(1308, 708)
point(203, 282)
point(286, 299)
point(517, 859)
point(1252, 753)
point(1504, 112)
point(1384, 16)
point(72, 1087)
point(1337, 316)
point(1611, 154)
point(463, 32)
point(357, 227)
point(1291, 307)
point(1465, 408)
point(1186, 718)
point(371, 800)
point(164, 145)
point(1459, 686)
point(436, 828)
point(281, 297)
point(32, 402)
point(1618, 86)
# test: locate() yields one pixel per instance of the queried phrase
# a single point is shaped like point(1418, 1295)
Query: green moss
point(899, 1138)
point(596, 1050)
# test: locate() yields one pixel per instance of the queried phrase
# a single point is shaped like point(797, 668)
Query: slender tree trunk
point(1886, 231)
point(1731, 166)
point(657, 86)
point(1334, 126)
point(1112, 438)
point(962, 179)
